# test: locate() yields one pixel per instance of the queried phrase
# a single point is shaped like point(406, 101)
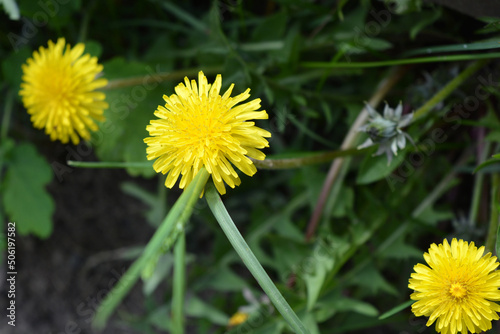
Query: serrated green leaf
point(327, 307)
point(375, 168)
point(197, 308)
point(271, 28)
point(401, 250)
point(24, 187)
point(321, 264)
point(224, 279)
point(371, 279)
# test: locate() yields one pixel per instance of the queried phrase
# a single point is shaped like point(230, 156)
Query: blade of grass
point(422, 60)
point(179, 285)
point(185, 16)
point(249, 259)
point(492, 237)
point(180, 212)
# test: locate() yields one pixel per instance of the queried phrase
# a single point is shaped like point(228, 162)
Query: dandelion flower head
point(457, 288)
point(59, 91)
point(199, 127)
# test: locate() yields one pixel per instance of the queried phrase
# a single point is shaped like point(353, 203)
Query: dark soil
point(61, 280)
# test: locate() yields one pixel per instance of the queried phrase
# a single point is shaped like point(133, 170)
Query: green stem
point(449, 88)
point(179, 285)
point(478, 186)
point(179, 213)
point(161, 76)
point(109, 164)
point(491, 238)
point(249, 259)
point(269, 163)
point(421, 60)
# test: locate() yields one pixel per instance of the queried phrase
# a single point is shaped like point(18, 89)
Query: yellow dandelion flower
point(58, 90)
point(199, 127)
point(237, 319)
point(458, 288)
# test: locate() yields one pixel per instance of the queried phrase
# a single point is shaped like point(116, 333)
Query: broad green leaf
point(327, 307)
point(401, 250)
point(161, 272)
point(25, 198)
point(375, 168)
point(432, 216)
point(197, 308)
point(310, 323)
point(271, 28)
point(224, 279)
point(371, 279)
point(321, 263)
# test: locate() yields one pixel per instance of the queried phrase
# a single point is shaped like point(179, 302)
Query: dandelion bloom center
point(458, 288)
point(59, 91)
point(198, 127)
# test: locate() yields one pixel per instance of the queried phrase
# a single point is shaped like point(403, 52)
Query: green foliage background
point(378, 219)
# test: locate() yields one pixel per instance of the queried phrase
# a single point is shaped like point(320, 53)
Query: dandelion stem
point(249, 259)
point(179, 285)
point(180, 212)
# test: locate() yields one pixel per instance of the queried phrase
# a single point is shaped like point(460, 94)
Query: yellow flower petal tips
point(59, 91)
point(457, 289)
point(198, 127)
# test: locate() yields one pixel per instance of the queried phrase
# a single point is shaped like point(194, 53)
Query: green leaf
point(396, 309)
point(224, 279)
point(375, 168)
point(161, 271)
point(371, 279)
point(495, 160)
point(426, 19)
point(329, 306)
point(271, 28)
point(321, 264)
point(25, 198)
point(401, 250)
point(197, 308)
